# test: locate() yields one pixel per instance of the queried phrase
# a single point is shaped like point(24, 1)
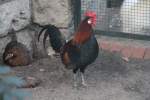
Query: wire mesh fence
point(128, 16)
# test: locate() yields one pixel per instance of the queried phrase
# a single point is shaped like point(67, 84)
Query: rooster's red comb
point(90, 14)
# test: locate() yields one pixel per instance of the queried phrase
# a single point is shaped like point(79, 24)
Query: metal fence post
point(77, 13)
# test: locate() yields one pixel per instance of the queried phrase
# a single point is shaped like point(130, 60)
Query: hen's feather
point(21, 55)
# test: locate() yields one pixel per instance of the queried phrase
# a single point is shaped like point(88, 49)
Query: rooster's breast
point(88, 52)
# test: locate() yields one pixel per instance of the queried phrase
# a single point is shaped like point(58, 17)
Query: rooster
point(80, 51)
point(16, 53)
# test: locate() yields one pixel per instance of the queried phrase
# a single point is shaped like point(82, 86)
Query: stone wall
point(26, 17)
point(51, 12)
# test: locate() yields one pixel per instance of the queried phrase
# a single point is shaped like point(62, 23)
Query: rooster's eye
point(89, 22)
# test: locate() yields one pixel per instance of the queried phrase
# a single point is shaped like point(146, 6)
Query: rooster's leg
point(82, 76)
point(75, 80)
point(75, 76)
point(83, 79)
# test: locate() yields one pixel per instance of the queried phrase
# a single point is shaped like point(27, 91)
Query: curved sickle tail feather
point(55, 37)
point(44, 28)
point(45, 37)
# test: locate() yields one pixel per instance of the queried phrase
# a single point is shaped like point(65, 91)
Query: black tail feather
point(56, 38)
point(12, 34)
point(40, 33)
point(45, 37)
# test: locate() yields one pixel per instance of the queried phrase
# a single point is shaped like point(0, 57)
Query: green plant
point(9, 84)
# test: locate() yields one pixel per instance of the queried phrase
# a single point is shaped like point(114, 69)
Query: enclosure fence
point(120, 17)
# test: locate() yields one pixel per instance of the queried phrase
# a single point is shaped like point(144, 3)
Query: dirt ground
point(108, 78)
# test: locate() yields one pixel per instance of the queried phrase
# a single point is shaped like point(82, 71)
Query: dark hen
point(15, 53)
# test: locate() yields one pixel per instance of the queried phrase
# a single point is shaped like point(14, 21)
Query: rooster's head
point(91, 15)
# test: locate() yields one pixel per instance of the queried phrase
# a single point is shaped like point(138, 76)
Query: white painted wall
point(135, 16)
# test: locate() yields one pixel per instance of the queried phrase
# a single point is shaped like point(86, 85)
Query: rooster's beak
point(8, 56)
